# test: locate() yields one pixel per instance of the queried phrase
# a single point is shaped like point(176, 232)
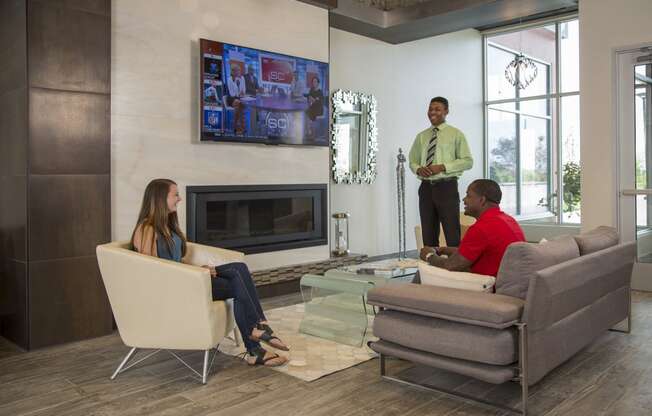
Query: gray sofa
point(552, 300)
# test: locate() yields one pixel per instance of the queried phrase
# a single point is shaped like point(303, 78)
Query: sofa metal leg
point(628, 329)
point(521, 378)
point(522, 365)
point(629, 314)
point(456, 395)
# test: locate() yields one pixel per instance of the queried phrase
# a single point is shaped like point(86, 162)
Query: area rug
point(310, 357)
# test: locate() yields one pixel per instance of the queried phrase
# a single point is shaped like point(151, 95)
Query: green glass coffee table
point(336, 303)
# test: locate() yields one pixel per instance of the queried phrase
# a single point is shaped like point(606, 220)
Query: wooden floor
point(611, 377)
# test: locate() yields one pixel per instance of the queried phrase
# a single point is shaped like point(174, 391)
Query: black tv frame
point(248, 139)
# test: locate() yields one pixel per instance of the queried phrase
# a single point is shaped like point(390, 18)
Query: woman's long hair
point(154, 212)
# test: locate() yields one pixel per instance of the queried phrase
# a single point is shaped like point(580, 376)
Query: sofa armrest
point(475, 308)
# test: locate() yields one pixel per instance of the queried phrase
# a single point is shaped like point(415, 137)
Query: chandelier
point(521, 71)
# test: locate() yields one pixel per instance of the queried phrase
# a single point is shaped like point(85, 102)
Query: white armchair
point(164, 305)
point(465, 223)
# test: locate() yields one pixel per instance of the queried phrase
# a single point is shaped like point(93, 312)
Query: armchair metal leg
point(205, 372)
point(203, 376)
point(236, 336)
point(124, 361)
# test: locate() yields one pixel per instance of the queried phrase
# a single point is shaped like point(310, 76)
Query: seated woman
point(157, 234)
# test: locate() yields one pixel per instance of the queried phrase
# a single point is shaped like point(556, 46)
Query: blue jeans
point(234, 281)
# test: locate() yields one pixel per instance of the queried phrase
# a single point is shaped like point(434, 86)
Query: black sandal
point(259, 353)
point(267, 337)
point(264, 327)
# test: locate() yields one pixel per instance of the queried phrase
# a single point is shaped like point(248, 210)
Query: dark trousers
point(439, 202)
point(234, 281)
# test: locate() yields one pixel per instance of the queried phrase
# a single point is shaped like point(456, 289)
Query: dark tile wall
point(69, 49)
point(69, 133)
point(57, 166)
point(68, 301)
point(13, 171)
point(69, 215)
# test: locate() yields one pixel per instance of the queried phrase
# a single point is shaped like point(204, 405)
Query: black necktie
point(432, 146)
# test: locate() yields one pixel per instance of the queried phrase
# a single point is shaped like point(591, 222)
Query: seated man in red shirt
point(485, 242)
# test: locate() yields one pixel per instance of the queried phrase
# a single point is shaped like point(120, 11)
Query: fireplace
point(257, 218)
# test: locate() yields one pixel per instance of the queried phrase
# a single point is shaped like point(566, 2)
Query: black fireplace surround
point(257, 218)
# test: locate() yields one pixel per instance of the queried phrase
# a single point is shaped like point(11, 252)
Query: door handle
point(634, 192)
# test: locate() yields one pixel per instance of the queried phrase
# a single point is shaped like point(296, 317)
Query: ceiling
point(398, 21)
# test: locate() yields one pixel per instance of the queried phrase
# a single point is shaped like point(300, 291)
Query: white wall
point(605, 25)
point(154, 102)
point(404, 78)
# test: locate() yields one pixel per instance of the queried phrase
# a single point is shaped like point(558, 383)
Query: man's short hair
point(440, 100)
point(488, 189)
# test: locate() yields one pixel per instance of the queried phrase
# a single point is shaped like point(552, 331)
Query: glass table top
point(336, 303)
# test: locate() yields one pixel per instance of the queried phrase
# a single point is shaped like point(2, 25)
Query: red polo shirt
point(485, 241)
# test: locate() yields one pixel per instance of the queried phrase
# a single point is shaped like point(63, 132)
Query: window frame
point(554, 127)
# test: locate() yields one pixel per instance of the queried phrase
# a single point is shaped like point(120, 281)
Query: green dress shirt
point(452, 151)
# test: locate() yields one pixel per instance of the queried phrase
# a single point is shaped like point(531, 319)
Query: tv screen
point(254, 96)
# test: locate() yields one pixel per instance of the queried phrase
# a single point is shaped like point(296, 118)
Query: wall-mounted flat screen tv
point(254, 96)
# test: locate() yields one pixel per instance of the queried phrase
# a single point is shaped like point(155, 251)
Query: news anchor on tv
point(237, 89)
point(252, 87)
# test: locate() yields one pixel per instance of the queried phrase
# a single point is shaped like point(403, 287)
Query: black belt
point(435, 181)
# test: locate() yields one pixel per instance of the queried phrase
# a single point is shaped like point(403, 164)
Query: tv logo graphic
point(277, 76)
point(277, 71)
point(277, 124)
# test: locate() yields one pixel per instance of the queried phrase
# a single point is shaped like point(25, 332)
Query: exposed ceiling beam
point(324, 4)
point(435, 17)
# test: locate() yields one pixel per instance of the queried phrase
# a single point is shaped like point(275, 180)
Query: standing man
point(438, 157)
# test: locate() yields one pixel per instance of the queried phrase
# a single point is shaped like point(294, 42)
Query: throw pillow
point(597, 239)
point(522, 260)
point(436, 276)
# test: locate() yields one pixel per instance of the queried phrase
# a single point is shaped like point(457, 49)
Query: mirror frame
point(367, 104)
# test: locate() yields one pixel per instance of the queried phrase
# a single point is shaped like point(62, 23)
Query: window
point(642, 93)
point(532, 134)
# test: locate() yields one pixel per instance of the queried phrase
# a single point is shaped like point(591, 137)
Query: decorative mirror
point(354, 137)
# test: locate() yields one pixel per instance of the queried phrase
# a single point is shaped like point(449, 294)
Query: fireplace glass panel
point(228, 220)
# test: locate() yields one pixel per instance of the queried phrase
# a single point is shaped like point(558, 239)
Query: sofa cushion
point(522, 260)
point(456, 305)
point(450, 339)
point(597, 239)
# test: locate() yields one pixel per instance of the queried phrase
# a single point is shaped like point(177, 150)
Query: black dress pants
point(439, 203)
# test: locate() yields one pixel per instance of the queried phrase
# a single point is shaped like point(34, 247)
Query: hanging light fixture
point(521, 71)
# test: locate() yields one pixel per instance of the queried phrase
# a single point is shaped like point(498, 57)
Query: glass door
point(635, 146)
